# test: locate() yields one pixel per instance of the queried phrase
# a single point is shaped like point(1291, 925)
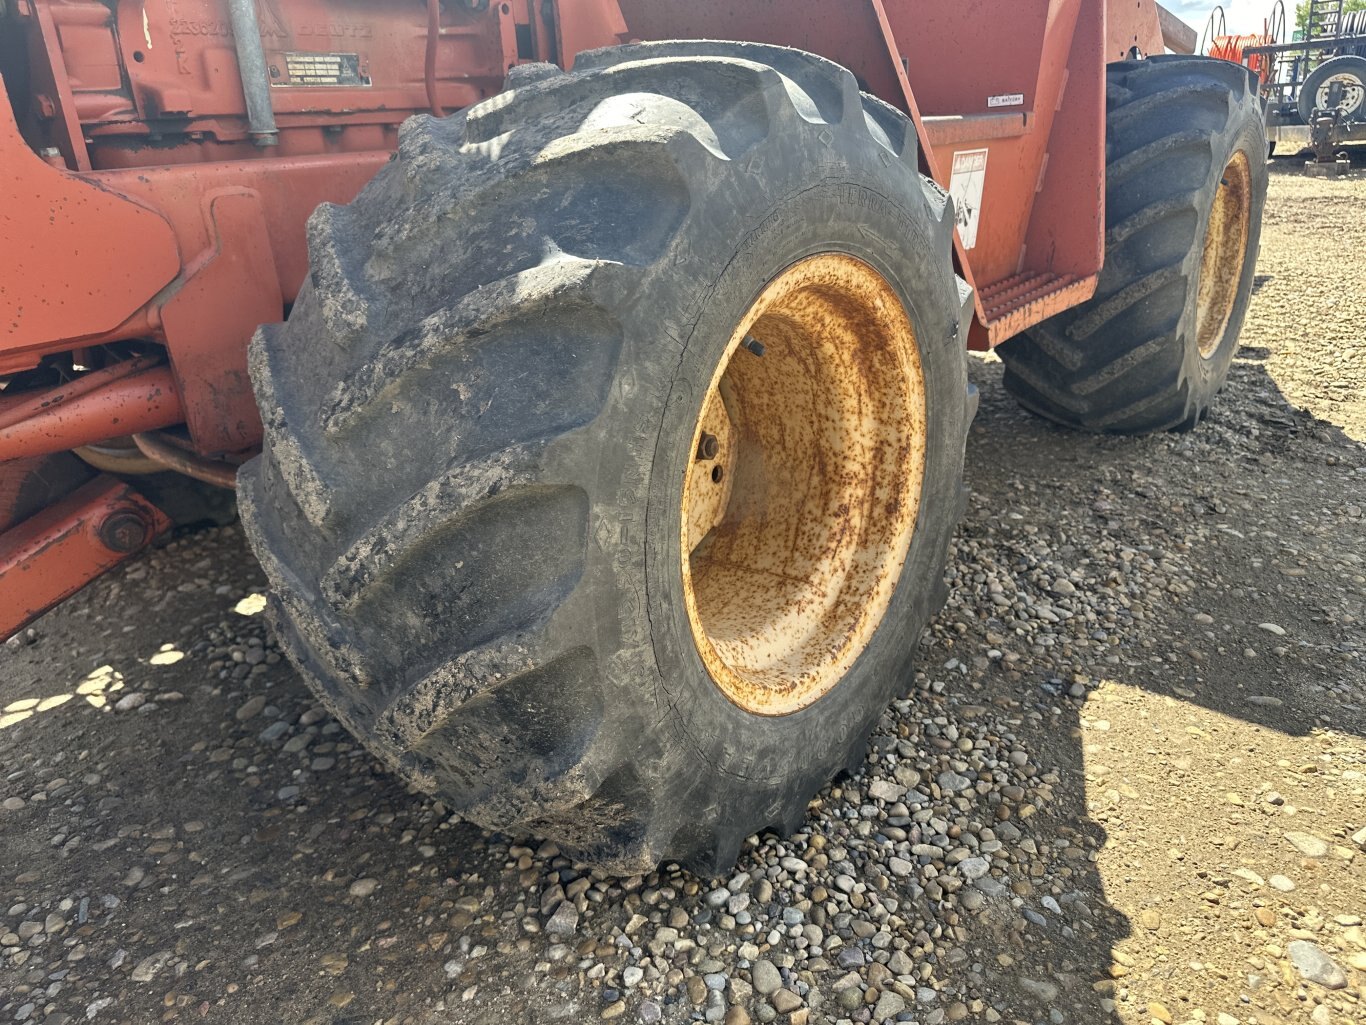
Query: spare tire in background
point(1348, 72)
point(614, 446)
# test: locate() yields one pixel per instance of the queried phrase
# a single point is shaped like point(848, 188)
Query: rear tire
point(482, 413)
point(1186, 184)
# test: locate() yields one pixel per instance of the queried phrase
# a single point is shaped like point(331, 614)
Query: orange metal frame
point(92, 530)
point(139, 207)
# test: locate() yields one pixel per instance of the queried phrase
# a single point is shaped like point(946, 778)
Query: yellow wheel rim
point(1225, 253)
point(804, 483)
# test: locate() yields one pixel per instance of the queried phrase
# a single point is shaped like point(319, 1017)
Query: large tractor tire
point(614, 446)
point(1185, 187)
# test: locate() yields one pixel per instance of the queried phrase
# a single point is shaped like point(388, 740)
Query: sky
point(1243, 16)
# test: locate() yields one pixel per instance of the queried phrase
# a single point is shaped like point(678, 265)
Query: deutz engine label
point(319, 69)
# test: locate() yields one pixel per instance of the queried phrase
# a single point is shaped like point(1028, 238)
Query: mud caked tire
point(480, 415)
point(1185, 148)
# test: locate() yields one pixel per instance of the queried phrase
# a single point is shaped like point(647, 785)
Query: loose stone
point(765, 977)
point(1315, 965)
point(1308, 845)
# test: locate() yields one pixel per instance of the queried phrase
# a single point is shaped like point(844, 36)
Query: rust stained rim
point(801, 497)
point(1225, 253)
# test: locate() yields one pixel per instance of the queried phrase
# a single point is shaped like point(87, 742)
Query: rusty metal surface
point(791, 555)
point(1013, 308)
point(145, 401)
point(239, 228)
point(74, 259)
point(1130, 24)
point(1224, 255)
point(233, 286)
point(711, 477)
point(28, 485)
point(169, 457)
point(25, 405)
point(52, 555)
point(162, 74)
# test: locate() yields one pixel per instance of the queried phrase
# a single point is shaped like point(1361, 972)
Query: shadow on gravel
point(1032, 961)
point(1250, 605)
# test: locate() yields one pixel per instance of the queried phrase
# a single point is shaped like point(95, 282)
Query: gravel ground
point(1128, 783)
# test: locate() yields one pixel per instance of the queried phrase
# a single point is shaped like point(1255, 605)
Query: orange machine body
point(143, 206)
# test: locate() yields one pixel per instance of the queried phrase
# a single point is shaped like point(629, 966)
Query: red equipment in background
point(163, 157)
point(1217, 42)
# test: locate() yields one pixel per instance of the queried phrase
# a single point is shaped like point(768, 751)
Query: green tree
point(1302, 12)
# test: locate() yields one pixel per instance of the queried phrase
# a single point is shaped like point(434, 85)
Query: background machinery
point(1314, 85)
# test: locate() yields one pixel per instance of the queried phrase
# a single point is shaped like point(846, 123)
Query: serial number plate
point(322, 69)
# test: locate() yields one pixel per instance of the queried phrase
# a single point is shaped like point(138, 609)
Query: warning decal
point(321, 69)
point(966, 185)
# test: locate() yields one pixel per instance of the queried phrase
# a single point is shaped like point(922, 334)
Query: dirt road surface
point(1128, 782)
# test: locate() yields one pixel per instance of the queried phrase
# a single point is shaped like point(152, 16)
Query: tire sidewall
point(873, 209)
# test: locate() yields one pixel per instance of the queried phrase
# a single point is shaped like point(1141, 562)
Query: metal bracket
point(53, 554)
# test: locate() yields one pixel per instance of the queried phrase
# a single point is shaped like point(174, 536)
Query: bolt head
point(124, 531)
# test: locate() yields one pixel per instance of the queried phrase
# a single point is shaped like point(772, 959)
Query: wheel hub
point(801, 498)
point(1351, 97)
